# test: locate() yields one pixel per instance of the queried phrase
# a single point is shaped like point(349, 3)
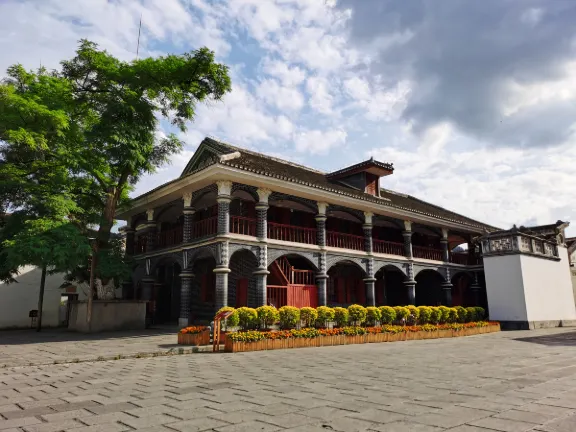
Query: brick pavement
point(494, 382)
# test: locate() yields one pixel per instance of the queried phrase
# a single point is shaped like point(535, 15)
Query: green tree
point(52, 245)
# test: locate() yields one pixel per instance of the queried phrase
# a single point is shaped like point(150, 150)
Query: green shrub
point(414, 314)
point(452, 315)
point(462, 314)
point(232, 320)
point(308, 315)
point(341, 316)
point(424, 313)
point(357, 314)
point(444, 314)
point(373, 315)
point(325, 315)
point(402, 313)
point(471, 314)
point(289, 317)
point(388, 314)
point(480, 313)
point(435, 315)
point(247, 317)
point(267, 315)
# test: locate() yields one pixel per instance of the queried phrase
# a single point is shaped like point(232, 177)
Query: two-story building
point(242, 228)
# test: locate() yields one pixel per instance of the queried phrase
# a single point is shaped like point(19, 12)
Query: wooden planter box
point(274, 344)
point(197, 339)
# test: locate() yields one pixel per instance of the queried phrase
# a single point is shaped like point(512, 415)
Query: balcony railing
point(242, 225)
point(459, 258)
point(427, 253)
point(169, 237)
point(205, 228)
point(277, 295)
point(141, 243)
point(303, 277)
point(291, 233)
point(344, 241)
point(388, 247)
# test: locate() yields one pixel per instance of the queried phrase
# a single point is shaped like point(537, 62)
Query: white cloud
point(289, 76)
point(319, 142)
point(279, 96)
point(377, 104)
point(321, 98)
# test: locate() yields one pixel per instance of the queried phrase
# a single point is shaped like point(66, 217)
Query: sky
point(473, 102)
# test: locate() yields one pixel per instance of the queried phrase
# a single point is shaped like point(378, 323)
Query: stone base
point(108, 315)
point(183, 322)
point(532, 325)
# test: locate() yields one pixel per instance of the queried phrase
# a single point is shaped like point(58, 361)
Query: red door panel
point(242, 292)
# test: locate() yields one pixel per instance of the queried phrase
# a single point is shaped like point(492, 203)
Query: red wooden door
point(340, 285)
point(242, 292)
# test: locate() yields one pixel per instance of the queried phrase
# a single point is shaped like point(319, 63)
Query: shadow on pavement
point(560, 339)
point(21, 337)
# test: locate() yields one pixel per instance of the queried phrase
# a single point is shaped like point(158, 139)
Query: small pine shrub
point(480, 313)
point(414, 314)
point(435, 315)
point(232, 320)
point(308, 315)
point(373, 315)
point(247, 317)
point(341, 316)
point(424, 313)
point(388, 314)
point(402, 313)
point(289, 317)
point(444, 314)
point(267, 315)
point(471, 314)
point(452, 315)
point(462, 314)
point(357, 314)
point(325, 315)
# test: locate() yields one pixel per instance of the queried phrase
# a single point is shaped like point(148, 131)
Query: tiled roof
point(359, 166)
point(264, 165)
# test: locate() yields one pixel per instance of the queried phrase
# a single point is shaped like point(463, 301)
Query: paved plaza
point(514, 381)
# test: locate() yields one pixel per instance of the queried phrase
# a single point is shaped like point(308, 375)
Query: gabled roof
point(375, 167)
point(212, 151)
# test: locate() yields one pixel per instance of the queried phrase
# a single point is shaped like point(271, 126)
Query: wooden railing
point(205, 227)
point(243, 225)
point(140, 244)
point(303, 277)
point(169, 237)
point(277, 295)
point(291, 233)
point(285, 268)
point(427, 253)
point(459, 258)
point(388, 247)
point(293, 295)
point(344, 241)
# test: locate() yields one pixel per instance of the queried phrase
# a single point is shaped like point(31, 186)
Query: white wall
point(548, 288)
point(18, 299)
point(505, 288)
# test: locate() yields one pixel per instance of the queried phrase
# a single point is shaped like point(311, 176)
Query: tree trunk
point(41, 299)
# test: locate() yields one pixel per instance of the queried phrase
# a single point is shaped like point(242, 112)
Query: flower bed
point(197, 335)
point(311, 337)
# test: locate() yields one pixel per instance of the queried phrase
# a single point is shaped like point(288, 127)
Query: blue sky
point(473, 102)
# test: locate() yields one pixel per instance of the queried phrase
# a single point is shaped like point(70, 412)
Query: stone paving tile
point(406, 426)
point(526, 416)
point(290, 420)
point(252, 426)
point(501, 424)
point(567, 424)
point(348, 424)
point(53, 426)
point(199, 424)
point(448, 417)
point(108, 427)
point(18, 422)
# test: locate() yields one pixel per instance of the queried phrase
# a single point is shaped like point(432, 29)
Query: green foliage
point(452, 315)
point(435, 315)
point(480, 313)
point(424, 314)
point(402, 313)
point(325, 315)
point(289, 317)
point(267, 315)
point(308, 315)
point(388, 314)
point(444, 314)
point(462, 314)
point(357, 314)
point(247, 317)
point(373, 315)
point(471, 314)
point(341, 316)
point(232, 320)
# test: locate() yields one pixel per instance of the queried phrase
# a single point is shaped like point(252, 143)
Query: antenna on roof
point(139, 30)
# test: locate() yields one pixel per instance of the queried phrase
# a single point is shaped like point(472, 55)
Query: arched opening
point(390, 288)
point(291, 282)
point(203, 295)
point(242, 290)
point(429, 288)
point(166, 295)
point(346, 284)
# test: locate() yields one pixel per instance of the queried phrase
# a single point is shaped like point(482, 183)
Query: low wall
point(108, 315)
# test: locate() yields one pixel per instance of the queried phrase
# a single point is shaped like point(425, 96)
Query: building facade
point(239, 228)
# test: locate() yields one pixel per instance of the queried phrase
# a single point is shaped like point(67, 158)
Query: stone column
point(370, 284)
point(407, 234)
point(321, 224)
point(410, 284)
point(221, 271)
point(475, 289)
point(322, 280)
point(447, 289)
point(150, 230)
point(262, 214)
point(368, 244)
point(261, 275)
point(444, 244)
point(188, 213)
point(185, 296)
point(223, 199)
